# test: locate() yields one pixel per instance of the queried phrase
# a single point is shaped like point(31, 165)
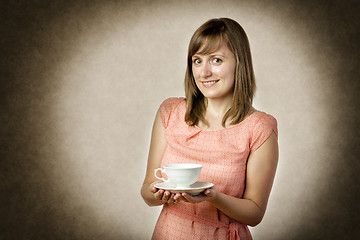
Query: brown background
point(81, 82)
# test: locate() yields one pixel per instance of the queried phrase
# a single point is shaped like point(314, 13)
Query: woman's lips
point(208, 84)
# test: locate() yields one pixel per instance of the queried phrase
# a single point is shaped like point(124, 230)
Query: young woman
point(216, 126)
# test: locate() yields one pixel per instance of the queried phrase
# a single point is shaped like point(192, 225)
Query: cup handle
point(162, 170)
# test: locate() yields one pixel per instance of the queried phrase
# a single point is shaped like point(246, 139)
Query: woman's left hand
point(207, 195)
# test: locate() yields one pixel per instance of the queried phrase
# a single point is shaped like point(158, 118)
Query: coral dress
point(223, 154)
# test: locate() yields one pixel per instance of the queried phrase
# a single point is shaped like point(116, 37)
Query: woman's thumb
point(208, 192)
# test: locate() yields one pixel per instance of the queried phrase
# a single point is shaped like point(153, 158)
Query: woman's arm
point(151, 195)
point(260, 173)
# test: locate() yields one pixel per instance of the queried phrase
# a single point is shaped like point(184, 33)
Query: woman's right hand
point(162, 195)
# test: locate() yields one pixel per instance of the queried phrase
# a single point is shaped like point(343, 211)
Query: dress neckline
point(230, 127)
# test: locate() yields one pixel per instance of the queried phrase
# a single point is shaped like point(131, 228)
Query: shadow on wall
point(30, 204)
point(338, 206)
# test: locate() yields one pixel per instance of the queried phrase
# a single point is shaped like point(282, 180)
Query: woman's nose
point(205, 70)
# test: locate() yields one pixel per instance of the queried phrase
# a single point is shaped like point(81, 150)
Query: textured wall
point(81, 82)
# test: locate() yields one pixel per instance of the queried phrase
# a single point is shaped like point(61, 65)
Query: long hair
point(208, 38)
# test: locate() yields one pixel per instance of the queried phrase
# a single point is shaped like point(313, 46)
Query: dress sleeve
point(262, 131)
point(166, 108)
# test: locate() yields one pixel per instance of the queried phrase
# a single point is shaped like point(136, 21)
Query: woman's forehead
point(210, 45)
point(219, 47)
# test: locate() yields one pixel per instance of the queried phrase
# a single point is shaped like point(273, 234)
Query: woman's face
point(214, 72)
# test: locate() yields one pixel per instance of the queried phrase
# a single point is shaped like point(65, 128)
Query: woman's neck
point(216, 108)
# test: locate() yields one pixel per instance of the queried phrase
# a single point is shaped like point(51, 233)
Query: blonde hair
point(208, 38)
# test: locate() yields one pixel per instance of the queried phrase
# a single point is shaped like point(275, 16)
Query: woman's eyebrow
point(218, 54)
point(210, 54)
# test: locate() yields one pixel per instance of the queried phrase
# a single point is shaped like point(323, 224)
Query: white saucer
point(194, 189)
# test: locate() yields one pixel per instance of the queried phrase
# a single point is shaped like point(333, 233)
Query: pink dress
point(223, 154)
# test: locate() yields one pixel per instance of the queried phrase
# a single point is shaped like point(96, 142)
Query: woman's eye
point(217, 60)
point(196, 61)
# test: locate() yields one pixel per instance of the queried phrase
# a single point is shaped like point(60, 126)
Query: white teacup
point(181, 174)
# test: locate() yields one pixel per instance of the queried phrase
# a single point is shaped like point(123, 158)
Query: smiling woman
point(81, 82)
point(242, 142)
point(219, 64)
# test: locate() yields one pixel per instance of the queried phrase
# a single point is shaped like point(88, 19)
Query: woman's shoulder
point(263, 120)
point(261, 116)
point(171, 108)
point(171, 101)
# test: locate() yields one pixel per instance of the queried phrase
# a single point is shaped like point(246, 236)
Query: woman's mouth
point(209, 83)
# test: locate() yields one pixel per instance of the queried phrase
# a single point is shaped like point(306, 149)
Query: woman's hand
point(208, 195)
point(160, 194)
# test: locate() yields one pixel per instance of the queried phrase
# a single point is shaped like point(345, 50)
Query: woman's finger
point(195, 199)
point(171, 199)
point(208, 192)
point(166, 196)
point(178, 198)
point(159, 194)
point(153, 189)
point(187, 197)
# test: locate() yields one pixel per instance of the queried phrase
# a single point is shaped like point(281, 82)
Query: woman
point(216, 126)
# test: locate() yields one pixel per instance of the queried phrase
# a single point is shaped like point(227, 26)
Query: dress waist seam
point(232, 228)
point(195, 217)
